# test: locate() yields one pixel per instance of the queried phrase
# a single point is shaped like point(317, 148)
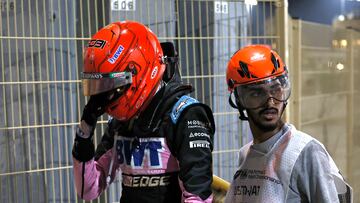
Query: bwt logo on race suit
point(145, 154)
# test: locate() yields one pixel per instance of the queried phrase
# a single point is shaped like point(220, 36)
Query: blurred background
point(41, 46)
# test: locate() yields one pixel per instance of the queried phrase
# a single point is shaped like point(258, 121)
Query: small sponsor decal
point(139, 102)
point(97, 43)
point(91, 76)
point(199, 144)
point(116, 55)
point(197, 124)
point(257, 57)
point(199, 135)
point(247, 190)
point(256, 174)
point(154, 72)
point(145, 181)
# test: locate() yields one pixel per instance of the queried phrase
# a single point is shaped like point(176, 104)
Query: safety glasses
point(255, 95)
point(95, 83)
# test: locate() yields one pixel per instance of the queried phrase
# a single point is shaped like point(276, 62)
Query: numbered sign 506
point(123, 5)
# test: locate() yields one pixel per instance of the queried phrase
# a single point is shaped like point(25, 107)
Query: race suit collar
point(164, 99)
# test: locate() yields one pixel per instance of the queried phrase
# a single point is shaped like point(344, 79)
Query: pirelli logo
point(145, 181)
point(199, 144)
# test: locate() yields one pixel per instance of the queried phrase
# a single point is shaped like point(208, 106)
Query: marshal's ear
point(236, 105)
point(170, 59)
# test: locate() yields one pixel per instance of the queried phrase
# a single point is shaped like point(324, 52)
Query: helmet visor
point(255, 95)
point(95, 83)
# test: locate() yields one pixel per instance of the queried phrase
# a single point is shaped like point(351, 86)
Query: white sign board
point(123, 5)
point(221, 7)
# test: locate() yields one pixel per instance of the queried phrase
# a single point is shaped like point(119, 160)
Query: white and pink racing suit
point(165, 156)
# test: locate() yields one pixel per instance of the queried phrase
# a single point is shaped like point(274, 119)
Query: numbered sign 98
point(221, 7)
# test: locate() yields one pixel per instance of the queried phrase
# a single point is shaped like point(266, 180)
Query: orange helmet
point(256, 73)
point(253, 63)
point(126, 58)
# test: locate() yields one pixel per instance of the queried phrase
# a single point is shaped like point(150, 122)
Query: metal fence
point(41, 45)
point(325, 67)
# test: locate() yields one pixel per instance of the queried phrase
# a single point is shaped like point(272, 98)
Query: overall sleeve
point(311, 179)
point(91, 168)
point(193, 145)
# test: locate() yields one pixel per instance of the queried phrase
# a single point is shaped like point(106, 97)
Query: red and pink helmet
point(126, 57)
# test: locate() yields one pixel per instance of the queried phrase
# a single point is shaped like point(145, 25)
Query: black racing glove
point(95, 108)
point(84, 149)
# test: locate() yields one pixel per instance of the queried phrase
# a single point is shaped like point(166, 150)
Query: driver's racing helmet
point(123, 59)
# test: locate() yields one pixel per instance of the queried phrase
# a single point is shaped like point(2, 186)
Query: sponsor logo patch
point(247, 190)
point(257, 57)
point(116, 55)
point(92, 76)
point(199, 135)
point(144, 153)
point(145, 181)
point(154, 72)
point(197, 124)
point(97, 43)
point(199, 144)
